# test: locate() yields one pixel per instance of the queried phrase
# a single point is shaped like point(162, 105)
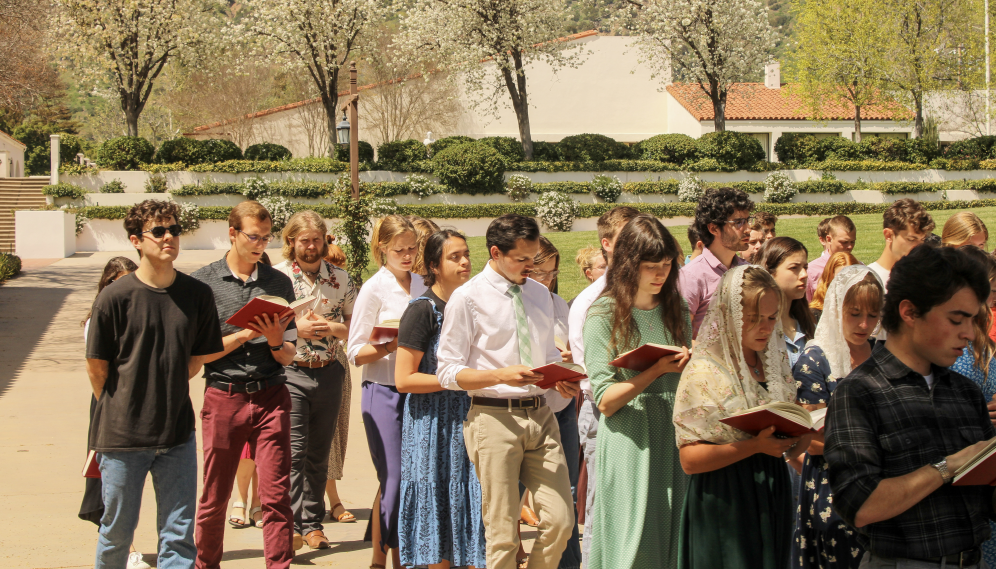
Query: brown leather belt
point(966, 558)
point(524, 403)
point(315, 365)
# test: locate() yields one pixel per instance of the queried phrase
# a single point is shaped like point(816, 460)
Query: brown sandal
point(346, 517)
point(522, 563)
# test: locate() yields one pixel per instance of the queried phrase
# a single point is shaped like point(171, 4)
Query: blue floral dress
point(965, 365)
point(822, 539)
point(440, 494)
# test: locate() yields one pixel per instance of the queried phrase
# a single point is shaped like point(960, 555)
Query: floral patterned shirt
point(334, 297)
point(812, 375)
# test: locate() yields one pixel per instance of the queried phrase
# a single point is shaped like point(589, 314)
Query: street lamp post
point(348, 131)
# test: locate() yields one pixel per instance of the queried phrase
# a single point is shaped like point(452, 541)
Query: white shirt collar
point(252, 277)
point(496, 279)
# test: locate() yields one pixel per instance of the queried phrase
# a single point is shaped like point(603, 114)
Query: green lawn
point(868, 247)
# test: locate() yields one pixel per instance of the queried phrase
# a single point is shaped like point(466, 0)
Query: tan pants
point(509, 446)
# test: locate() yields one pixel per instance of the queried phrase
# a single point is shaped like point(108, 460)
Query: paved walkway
point(44, 402)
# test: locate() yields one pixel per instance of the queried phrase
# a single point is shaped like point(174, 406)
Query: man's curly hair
point(154, 210)
point(716, 206)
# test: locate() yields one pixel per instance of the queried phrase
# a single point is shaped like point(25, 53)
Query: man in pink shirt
point(837, 234)
point(722, 221)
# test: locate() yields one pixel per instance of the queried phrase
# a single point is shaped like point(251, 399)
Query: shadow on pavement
point(25, 315)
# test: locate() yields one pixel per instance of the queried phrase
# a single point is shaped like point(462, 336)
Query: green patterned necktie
point(521, 327)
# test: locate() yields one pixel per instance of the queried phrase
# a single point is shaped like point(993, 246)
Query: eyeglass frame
point(166, 228)
point(740, 222)
point(255, 238)
point(537, 275)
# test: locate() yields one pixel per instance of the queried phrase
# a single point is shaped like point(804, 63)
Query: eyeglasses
point(740, 222)
point(540, 275)
point(257, 238)
point(159, 231)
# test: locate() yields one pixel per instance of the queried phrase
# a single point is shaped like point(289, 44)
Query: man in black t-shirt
point(149, 334)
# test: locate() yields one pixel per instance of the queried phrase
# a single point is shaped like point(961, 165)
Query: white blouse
point(381, 298)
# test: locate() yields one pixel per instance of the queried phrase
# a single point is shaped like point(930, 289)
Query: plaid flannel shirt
point(883, 422)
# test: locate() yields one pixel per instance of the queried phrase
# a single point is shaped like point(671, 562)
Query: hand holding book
point(663, 359)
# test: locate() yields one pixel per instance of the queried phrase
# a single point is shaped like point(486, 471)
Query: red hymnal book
point(788, 419)
point(385, 332)
point(980, 470)
point(642, 358)
point(90, 468)
point(264, 304)
point(552, 373)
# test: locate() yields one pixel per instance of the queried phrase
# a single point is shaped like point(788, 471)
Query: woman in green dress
point(738, 508)
point(641, 487)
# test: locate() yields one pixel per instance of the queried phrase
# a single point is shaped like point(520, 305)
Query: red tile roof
point(14, 139)
point(290, 106)
point(754, 101)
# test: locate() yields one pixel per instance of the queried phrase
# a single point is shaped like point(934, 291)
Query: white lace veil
point(830, 331)
point(721, 337)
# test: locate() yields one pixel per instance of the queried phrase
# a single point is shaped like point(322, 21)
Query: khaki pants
point(509, 446)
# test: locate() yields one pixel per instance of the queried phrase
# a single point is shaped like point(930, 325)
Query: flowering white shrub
point(556, 210)
point(518, 187)
point(607, 188)
point(421, 187)
point(280, 210)
point(255, 188)
point(690, 189)
point(190, 215)
point(778, 188)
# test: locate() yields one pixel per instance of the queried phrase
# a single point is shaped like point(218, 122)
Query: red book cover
point(642, 358)
point(90, 467)
point(256, 307)
point(383, 334)
point(552, 373)
point(757, 421)
point(981, 470)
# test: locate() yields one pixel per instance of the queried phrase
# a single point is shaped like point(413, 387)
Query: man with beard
point(723, 221)
point(315, 378)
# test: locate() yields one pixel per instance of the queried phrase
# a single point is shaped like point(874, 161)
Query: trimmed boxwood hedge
point(10, 265)
point(472, 167)
point(591, 148)
point(125, 153)
point(268, 151)
point(65, 190)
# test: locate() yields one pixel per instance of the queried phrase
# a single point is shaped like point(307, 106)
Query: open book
point(559, 371)
point(788, 419)
point(642, 358)
point(980, 470)
point(385, 331)
point(265, 304)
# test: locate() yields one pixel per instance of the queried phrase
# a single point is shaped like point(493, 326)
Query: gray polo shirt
point(253, 361)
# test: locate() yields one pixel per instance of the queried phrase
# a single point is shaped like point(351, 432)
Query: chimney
point(773, 75)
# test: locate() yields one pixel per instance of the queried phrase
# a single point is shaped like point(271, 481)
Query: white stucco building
point(11, 156)
point(612, 93)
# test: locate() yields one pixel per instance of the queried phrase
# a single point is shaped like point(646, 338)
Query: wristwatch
point(281, 346)
point(942, 467)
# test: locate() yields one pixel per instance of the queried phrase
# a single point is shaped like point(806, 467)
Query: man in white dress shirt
point(609, 225)
point(497, 327)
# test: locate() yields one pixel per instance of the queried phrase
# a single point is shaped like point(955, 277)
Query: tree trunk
point(520, 101)
point(918, 116)
point(718, 107)
point(132, 110)
point(329, 103)
point(857, 123)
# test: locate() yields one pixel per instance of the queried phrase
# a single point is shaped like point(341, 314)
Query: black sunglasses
point(159, 231)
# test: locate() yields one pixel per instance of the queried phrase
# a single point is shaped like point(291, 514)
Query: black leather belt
point(250, 387)
point(966, 558)
point(524, 403)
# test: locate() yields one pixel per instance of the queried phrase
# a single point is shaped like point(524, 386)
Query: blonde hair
point(586, 259)
point(385, 230)
point(758, 281)
point(835, 263)
point(961, 227)
point(423, 229)
point(301, 221)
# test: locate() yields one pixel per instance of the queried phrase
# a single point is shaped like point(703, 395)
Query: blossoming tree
point(492, 43)
point(131, 40)
point(714, 43)
point(316, 36)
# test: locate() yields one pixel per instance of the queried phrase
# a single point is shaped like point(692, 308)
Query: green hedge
point(10, 265)
point(662, 210)
point(65, 190)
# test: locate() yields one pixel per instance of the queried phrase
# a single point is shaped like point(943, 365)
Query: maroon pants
point(228, 422)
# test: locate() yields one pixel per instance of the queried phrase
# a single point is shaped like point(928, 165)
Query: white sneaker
point(135, 561)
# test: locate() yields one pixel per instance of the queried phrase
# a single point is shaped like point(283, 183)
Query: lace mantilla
point(829, 334)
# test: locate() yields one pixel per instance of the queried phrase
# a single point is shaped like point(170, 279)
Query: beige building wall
point(11, 157)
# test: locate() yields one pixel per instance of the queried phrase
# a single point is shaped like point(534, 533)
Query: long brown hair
point(983, 347)
point(112, 269)
point(547, 251)
point(835, 263)
point(772, 254)
point(643, 240)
